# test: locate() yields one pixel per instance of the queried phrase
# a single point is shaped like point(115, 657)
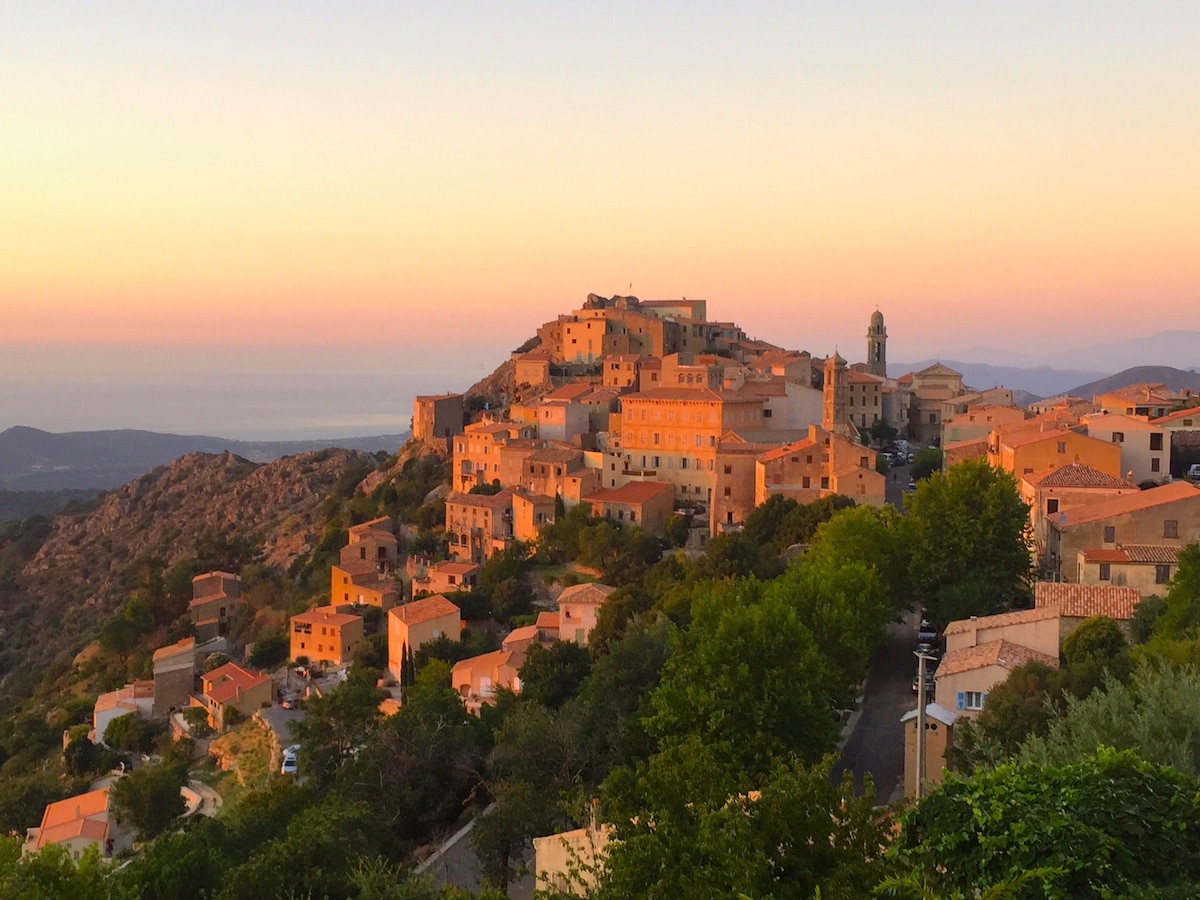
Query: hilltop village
point(637, 442)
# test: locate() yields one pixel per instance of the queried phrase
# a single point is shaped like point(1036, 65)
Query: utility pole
point(921, 660)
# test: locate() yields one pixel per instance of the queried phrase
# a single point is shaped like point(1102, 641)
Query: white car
point(289, 760)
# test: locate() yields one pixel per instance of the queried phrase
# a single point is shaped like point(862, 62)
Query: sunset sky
point(387, 175)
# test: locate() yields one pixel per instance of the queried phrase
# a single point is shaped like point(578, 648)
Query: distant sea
point(243, 393)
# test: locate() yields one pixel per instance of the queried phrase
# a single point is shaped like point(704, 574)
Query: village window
point(1105, 571)
point(862, 489)
point(1118, 437)
point(1110, 534)
point(683, 462)
point(862, 461)
point(971, 699)
point(1062, 446)
point(699, 440)
point(728, 491)
point(1171, 528)
point(1162, 574)
point(1155, 464)
point(825, 483)
point(1156, 441)
point(657, 439)
point(806, 482)
point(933, 418)
point(657, 462)
point(808, 459)
point(1052, 505)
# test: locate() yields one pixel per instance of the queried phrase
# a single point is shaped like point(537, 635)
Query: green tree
point(416, 769)
point(148, 798)
point(1156, 715)
point(926, 461)
point(51, 874)
point(968, 536)
point(1020, 706)
point(24, 797)
point(1108, 822)
point(1095, 647)
point(551, 675)
point(697, 832)
point(749, 679)
point(512, 597)
point(132, 733)
point(270, 650)
point(882, 432)
point(336, 724)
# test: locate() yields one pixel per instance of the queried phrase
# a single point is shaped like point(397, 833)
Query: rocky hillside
point(78, 575)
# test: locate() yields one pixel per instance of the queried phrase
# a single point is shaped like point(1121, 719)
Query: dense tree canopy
point(1108, 822)
point(968, 533)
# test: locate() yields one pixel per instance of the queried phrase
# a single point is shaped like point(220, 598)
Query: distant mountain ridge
point(36, 460)
point(1175, 379)
point(1040, 381)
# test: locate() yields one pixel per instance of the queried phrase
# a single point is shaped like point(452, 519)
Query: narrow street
point(876, 740)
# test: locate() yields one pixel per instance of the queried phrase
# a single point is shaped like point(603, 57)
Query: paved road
point(457, 866)
point(280, 720)
point(876, 741)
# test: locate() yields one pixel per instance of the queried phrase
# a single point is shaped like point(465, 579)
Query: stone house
point(215, 595)
point(230, 687)
point(324, 635)
point(578, 607)
point(414, 624)
point(1168, 515)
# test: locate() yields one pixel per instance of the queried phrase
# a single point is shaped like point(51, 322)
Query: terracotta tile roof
point(495, 428)
point(555, 455)
point(1085, 600)
point(963, 445)
point(547, 620)
point(696, 394)
point(482, 501)
point(1127, 503)
point(84, 815)
point(796, 447)
point(1171, 418)
point(489, 661)
point(1152, 553)
point(212, 574)
point(524, 633)
point(856, 377)
point(430, 397)
point(424, 610)
point(632, 492)
point(571, 391)
point(187, 645)
point(382, 523)
point(228, 681)
point(1001, 653)
point(593, 592)
point(326, 615)
point(1078, 475)
point(1102, 555)
point(450, 567)
point(1019, 617)
point(355, 567)
point(1023, 438)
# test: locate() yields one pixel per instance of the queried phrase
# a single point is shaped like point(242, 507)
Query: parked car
point(290, 758)
point(930, 681)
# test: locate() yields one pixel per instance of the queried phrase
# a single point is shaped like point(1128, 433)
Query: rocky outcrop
point(169, 511)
